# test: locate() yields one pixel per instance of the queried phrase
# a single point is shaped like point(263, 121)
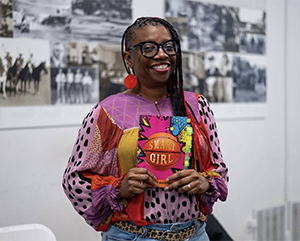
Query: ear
point(127, 58)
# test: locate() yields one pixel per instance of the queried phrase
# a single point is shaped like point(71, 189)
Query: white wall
point(32, 164)
point(292, 99)
point(261, 152)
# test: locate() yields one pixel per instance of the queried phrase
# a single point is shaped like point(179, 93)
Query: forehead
point(157, 34)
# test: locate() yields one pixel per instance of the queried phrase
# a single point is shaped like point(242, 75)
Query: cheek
point(136, 61)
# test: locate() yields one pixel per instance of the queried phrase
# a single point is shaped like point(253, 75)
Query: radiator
point(295, 221)
point(279, 223)
point(270, 224)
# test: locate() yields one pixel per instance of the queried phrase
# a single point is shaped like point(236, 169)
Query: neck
point(154, 95)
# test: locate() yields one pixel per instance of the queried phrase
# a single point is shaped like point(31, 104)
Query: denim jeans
point(115, 234)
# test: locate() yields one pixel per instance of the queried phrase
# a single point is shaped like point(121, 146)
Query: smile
point(161, 67)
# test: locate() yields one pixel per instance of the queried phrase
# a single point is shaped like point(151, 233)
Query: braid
point(175, 89)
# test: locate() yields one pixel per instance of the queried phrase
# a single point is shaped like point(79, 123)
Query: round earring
point(130, 81)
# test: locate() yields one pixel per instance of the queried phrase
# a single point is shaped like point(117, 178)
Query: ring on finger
point(189, 186)
point(142, 183)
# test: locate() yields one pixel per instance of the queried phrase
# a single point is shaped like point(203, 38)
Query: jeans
point(115, 234)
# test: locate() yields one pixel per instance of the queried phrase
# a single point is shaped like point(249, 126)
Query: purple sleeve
point(219, 191)
point(91, 176)
point(105, 198)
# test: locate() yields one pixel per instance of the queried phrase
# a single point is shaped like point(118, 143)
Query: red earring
point(130, 81)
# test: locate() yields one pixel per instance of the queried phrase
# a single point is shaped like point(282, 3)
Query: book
point(164, 145)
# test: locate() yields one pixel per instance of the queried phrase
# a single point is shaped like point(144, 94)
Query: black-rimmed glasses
point(149, 48)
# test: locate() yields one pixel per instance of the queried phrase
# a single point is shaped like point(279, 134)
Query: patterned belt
point(158, 234)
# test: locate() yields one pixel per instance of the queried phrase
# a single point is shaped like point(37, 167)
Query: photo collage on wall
point(64, 52)
point(61, 52)
point(224, 50)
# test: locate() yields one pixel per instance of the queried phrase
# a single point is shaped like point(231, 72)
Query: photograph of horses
point(43, 19)
point(24, 71)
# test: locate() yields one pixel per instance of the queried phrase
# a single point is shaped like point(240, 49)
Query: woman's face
point(153, 71)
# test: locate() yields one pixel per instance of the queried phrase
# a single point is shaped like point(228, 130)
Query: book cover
point(164, 145)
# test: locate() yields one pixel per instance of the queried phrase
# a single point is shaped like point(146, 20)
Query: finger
point(148, 178)
point(179, 183)
point(188, 188)
point(178, 175)
point(147, 181)
point(139, 184)
point(138, 170)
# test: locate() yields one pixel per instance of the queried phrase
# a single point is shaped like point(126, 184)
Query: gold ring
point(189, 186)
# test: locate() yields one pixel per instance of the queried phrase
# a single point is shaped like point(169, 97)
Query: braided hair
point(175, 88)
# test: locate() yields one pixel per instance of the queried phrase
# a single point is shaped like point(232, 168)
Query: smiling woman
point(102, 179)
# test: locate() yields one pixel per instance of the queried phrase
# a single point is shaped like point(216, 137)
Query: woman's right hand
point(135, 182)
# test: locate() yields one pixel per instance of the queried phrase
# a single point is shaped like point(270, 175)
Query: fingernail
point(166, 188)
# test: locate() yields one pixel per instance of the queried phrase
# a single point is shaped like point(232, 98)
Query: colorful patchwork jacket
point(105, 150)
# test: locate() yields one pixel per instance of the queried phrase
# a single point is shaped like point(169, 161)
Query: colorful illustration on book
point(164, 145)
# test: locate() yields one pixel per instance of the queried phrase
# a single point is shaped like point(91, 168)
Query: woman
point(101, 179)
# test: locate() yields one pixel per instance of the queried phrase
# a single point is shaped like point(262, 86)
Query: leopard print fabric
point(158, 234)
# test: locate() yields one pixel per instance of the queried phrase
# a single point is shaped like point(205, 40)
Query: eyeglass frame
point(141, 44)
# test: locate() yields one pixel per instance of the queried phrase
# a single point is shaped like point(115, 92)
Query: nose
point(161, 53)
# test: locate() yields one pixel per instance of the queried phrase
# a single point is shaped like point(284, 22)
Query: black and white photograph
point(231, 23)
point(252, 21)
point(58, 54)
point(111, 71)
point(251, 43)
point(6, 18)
point(175, 8)
point(24, 71)
point(249, 78)
point(103, 21)
point(43, 19)
point(180, 24)
point(83, 53)
point(74, 85)
point(193, 71)
point(218, 77)
point(205, 29)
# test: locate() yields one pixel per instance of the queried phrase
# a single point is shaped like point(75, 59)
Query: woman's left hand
point(188, 181)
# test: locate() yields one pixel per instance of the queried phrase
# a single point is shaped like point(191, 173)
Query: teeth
point(162, 66)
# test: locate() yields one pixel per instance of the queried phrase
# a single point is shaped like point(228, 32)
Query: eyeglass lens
point(151, 49)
